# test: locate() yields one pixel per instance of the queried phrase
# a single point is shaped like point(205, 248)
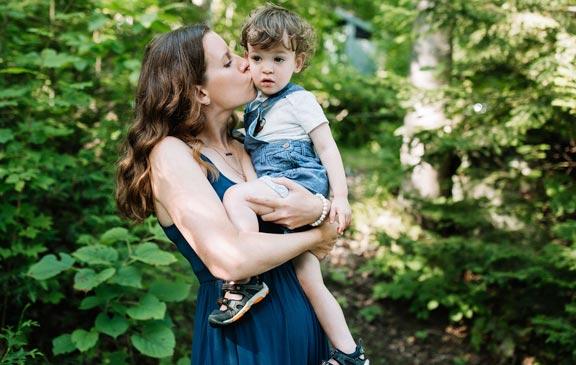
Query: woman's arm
point(298, 209)
point(181, 188)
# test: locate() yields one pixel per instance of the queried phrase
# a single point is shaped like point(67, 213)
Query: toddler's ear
point(299, 62)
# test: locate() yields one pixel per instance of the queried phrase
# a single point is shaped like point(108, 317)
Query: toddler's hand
point(341, 209)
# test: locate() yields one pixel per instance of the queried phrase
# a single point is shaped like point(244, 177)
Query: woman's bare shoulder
point(170, 151)
point(168, 144)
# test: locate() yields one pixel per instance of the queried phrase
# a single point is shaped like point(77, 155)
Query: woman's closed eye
point(228, 63)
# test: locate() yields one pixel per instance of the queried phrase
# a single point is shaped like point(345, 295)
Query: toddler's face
point(272, 68)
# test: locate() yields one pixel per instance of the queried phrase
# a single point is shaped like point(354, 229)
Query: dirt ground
point(394, 336)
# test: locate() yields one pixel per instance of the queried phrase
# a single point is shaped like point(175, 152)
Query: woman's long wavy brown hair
point(165, 105)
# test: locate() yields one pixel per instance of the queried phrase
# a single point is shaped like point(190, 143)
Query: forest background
point(459, 141)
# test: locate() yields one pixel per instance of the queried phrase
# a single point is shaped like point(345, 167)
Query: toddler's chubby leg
point(240, 210)
point(325, 305)
point(238, 297)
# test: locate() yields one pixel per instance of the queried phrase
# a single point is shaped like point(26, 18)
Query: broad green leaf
point(183, 361)
point(149, 253)
point(63, 344)
point(169, 291)
point(107, 292)
point(88, 279)
point(112, 326)
point(84, 340)
point(128, 276)
point(156, 340)
point(50, 266)
point(117, 234)
point(117, 358)
point(97, 255)
point(89, 303)
point(149, 307)
point(51, 59)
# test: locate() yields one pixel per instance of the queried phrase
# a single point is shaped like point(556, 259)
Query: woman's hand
point(299, 208)
point(329, 233)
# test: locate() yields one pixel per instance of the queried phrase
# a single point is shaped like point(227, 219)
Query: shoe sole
point(257, 298)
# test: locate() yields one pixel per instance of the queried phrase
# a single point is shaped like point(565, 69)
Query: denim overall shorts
point(293, 159)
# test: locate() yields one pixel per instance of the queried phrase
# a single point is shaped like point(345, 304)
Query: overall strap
point(287, 90)
point(261, 108)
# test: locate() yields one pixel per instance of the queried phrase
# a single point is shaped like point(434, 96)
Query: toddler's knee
point(234, 195)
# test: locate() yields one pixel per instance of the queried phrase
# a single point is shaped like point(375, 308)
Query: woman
point(179, 160)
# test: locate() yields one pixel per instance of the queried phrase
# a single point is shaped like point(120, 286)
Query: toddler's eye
point(256, 58)
point(278, 59)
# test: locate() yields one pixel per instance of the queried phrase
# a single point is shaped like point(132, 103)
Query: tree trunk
point(429, 68)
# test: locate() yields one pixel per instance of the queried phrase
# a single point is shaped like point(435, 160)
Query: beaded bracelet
point(324, 210)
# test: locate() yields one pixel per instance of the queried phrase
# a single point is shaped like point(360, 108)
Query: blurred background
point(457, 123)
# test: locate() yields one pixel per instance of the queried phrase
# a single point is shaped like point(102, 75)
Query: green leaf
point(6, 135)
point(566, 230)
point(112, 326)
point(97, 255)
point(149, 253)
point(63, 344)
point(108, 292)
point(128, 276)
point(89, 302)
point(84, 340)
point(156, 340)
point(149, 307)
point(170, 291)
point(88, 279)
point(50, 266)
point(116, 358)
point(52, 59)
point(117, 234)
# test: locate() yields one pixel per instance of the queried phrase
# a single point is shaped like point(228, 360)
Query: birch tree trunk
point(429, 68)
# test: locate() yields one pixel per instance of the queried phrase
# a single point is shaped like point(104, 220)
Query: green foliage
point(67, 75)
point(111, 272)
point(497, 250)
point(13, 343)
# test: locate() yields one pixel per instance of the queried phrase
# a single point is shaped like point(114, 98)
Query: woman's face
point(228, 79)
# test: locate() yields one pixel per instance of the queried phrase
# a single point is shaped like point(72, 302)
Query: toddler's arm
point(330, 156)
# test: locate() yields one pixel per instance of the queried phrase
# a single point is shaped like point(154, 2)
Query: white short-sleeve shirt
point(292, 117)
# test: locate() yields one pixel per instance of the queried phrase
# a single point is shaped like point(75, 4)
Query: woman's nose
point(243, 64)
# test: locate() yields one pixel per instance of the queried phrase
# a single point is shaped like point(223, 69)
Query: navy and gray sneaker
point(355, 358)
point(252, 292)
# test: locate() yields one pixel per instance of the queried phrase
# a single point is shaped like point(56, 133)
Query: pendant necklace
point(229, 154)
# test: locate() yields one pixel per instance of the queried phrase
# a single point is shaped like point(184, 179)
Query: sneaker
point(252, 292)
point(355, 358)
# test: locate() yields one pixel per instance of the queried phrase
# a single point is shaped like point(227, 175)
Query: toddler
point(287, 135)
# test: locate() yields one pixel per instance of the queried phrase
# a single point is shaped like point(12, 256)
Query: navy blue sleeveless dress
point(280, 330)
